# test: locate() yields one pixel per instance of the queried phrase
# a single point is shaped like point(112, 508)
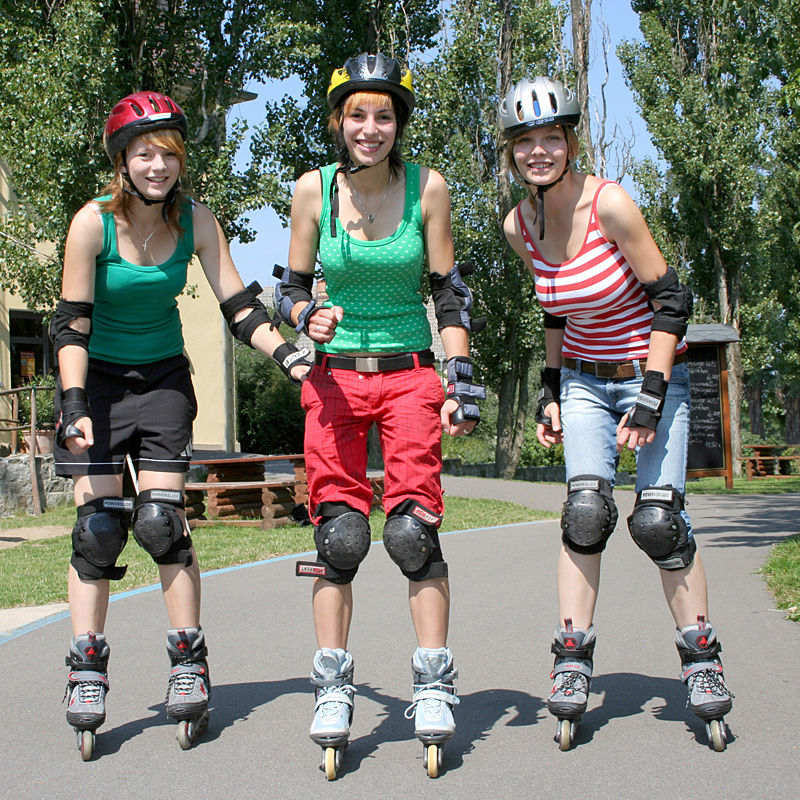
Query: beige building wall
point(209, 346)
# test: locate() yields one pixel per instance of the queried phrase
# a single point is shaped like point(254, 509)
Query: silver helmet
point(535, 103)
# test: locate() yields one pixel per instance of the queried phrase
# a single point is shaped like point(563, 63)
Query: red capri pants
point(341, 405)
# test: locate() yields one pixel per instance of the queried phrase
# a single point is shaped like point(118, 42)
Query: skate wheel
point(86, 744)
point(565, 734)
point(432, 759)
point(184, 734)
point(716, 734)
point(331, 760)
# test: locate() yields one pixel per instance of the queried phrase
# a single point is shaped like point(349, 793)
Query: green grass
point(743, 486)
point(34, 572)
point(782, 574)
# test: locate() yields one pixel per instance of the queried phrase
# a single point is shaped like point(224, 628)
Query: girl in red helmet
point(125, 390)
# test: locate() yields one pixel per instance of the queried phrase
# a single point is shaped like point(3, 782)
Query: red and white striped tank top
point(608, 318)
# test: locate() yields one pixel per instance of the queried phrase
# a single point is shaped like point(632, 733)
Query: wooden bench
point(238, 492)
point(767, 461)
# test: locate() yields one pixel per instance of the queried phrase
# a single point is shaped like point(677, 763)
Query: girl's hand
point(551, 434)
point(632, 437)
point(322, 323)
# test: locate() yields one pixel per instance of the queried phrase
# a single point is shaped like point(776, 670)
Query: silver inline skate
point(189, 687)
point(572, 675)
point(432, 706)
point(332, 676)
point(87, 687)
point(701, 671)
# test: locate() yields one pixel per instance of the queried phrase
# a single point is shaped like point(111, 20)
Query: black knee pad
point(343, 540)
point(158, 528)
point(99, 537)
point(589, 515)
point(658, 528)
point(411, 538)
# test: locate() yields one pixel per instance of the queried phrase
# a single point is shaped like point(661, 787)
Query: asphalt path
point(637, 739)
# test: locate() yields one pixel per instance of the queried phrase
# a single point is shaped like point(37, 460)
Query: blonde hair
point(120, 200)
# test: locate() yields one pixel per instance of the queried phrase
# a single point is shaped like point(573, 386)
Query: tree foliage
point(64, 64)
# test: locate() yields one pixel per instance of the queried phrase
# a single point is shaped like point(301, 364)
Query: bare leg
point(333, 610)
point(578, 582)
point(686, 592)
point(429, 602)
point(88, 599)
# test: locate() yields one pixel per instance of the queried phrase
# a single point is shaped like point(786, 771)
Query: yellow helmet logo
point(339, 77)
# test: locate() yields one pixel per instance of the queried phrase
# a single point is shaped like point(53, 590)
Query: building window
point(31, 348)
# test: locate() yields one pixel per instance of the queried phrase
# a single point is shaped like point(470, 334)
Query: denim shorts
point(591, 409)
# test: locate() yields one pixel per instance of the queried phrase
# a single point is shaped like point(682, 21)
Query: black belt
point(375, 363)
point(621, 370)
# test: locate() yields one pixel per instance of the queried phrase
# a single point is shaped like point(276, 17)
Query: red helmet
point(140, 113)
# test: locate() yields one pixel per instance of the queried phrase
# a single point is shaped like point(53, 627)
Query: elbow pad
point(61, 333)
point(676, 303)
point(295, 287)
point(246, 327)
point(452, 299)
point(552, 321)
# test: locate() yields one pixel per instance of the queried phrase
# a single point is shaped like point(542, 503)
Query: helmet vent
point(520, 116)
point(154, 104)
point(553, 103)
point(537, 109)
point(137, 109)
point(169, 103)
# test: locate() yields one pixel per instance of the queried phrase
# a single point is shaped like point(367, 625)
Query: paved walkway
point(636, 741)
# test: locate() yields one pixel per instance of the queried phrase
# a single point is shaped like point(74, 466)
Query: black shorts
point(145, 410)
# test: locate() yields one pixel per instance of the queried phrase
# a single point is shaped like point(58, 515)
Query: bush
point(269, 417)
point(45, 402)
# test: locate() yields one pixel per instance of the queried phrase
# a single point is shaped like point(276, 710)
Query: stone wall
point(15, 484)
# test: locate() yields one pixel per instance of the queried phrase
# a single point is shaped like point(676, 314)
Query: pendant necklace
point(370, 217)
point(144, 241)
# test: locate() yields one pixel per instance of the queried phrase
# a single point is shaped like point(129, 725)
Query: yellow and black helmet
point(371, 73)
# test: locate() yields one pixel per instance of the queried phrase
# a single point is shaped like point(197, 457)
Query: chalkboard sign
point(706, 432)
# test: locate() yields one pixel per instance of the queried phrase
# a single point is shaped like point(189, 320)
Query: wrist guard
point(549, 393)
point(287, 356)
point(461, 389)
point(647, 411)
point(74, 405)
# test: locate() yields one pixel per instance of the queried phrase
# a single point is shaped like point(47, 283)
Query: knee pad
point(411, 538)
point(99, 537)
point(343, 539)
point(659, 529)
point(589, 515)
point(158, 528)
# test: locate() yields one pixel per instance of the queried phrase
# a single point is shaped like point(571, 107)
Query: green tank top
point(376, 283)
point(136, 319)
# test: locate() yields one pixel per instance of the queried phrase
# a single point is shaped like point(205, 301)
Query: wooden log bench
point(768, 461)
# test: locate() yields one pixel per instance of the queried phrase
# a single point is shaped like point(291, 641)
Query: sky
point(271, 246)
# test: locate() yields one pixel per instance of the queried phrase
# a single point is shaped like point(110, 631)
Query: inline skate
point(432, 706)
point(572, 675)
point(701, 671)
point(332, 676)
point(189, 687)
point(87, 687)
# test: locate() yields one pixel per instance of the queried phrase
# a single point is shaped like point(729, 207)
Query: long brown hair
point(120, 200)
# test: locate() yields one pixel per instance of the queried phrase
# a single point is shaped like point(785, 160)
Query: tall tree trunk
point(791, 405)
point(512, 414)
point(581, 11)
point(753, 391)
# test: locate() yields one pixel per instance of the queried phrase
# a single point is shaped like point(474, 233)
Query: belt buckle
point(367, 364)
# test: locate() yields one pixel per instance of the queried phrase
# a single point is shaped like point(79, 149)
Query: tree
point(63, 65)
point(492, 45)
point(698, 78)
